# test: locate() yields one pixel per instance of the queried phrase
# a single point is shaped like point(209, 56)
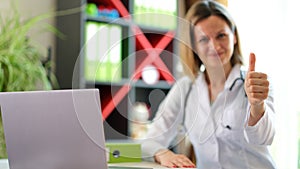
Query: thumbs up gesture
point(257, 89)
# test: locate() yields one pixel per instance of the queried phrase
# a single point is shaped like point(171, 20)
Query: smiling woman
point(228, 114)
point(214, 41)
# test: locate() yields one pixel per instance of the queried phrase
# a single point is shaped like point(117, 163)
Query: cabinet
point(141, 45)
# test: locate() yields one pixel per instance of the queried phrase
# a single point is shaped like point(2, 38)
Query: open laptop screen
point(59, 129)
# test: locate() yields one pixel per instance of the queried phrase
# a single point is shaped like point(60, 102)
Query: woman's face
point(214, 41)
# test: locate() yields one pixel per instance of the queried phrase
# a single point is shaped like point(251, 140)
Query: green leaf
point(20, 60)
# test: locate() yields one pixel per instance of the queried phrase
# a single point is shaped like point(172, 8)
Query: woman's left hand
point(257, 89)
point(169, 159)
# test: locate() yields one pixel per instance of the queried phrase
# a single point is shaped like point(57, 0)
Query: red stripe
point(115, 101)
point(121, 8)
point(151, 58)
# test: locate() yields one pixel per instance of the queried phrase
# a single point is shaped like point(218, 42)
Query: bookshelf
point(109, 49)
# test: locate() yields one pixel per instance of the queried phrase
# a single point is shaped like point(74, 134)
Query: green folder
point(156, 13)
point(115, 54)
point(91, 41)
point(103, 72)
point(124, 152)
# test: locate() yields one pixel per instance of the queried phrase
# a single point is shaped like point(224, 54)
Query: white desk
point(144, 164)
point(4, 164)
point(136, 164)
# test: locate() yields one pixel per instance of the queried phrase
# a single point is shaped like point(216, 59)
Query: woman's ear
point(235, 40)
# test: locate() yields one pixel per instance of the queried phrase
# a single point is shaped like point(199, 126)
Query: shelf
point(107, 83)
point(141, 45)
point(118, 21)
point(126, 22)
point(139, 83)
point(159, 85)
point(153, 29)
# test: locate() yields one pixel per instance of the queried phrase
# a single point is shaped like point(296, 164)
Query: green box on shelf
point(123, 152)
point(155, 13)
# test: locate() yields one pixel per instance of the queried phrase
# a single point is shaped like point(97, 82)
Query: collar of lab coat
point(234, 74)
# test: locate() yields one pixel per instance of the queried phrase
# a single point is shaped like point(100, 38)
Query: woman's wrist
point(160, 153)
point(256, 113)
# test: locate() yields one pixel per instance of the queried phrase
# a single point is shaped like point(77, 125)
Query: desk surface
point(140, 165)
point(4, 164)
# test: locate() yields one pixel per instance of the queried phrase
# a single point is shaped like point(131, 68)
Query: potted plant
point(21, 65)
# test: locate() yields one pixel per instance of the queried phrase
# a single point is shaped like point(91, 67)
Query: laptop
point(56, 129)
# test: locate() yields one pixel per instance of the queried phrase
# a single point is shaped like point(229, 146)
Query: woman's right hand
point(169, 159)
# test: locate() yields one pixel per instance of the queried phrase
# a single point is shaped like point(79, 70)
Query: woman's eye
point(203, 40)
point(221, 35)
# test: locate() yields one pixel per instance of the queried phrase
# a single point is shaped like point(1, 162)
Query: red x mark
point(153, 57)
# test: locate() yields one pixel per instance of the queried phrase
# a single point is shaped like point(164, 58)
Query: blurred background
point(269, 28)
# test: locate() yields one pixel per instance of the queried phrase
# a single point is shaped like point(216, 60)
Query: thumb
point(251, 62)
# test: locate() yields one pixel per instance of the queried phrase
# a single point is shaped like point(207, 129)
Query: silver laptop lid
point(58, 129)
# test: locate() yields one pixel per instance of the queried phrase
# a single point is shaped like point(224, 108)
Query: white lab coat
point(219, 132)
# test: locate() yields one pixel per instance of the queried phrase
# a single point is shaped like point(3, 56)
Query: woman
point(226, 113)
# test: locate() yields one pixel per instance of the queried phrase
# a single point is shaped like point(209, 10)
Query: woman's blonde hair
point(199, 11)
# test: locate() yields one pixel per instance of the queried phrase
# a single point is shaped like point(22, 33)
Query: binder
point(161, 14)
point(103, 52)
point(102, 70)
point(123, 152)
point(91, 42)
point(115, 54)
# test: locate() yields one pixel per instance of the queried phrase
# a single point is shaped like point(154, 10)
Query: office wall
point(29, 8)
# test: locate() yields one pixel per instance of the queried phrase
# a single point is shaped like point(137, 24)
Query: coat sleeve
point(164, 126)
point(262, 133)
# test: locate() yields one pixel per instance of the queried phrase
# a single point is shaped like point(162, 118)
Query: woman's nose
point(214, 44)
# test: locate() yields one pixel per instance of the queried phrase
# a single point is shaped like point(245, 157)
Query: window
point(269, 28)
